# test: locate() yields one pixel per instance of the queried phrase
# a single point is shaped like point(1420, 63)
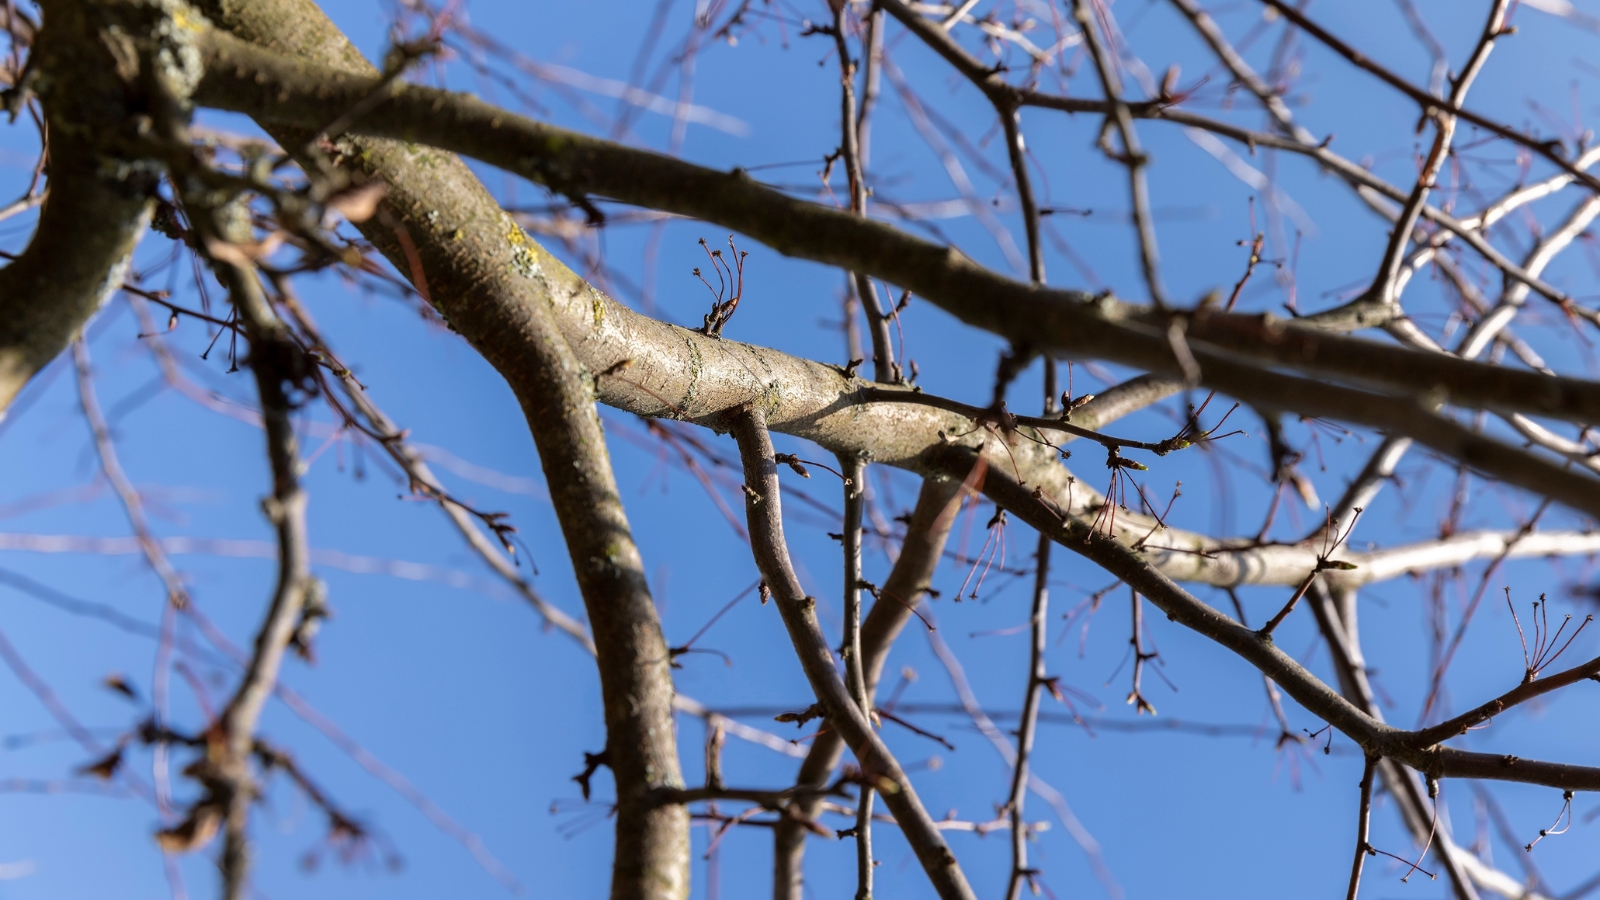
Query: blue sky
point(488, 715)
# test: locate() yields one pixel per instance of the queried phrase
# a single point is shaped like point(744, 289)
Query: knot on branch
point(591, 764)
point(801, 717)
point(287, 365)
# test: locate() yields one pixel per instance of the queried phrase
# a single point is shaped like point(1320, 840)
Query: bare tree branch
point(897, 599)
point(556, 394)
point(765, 512)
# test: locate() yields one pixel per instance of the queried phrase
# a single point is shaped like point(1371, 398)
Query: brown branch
point(1298, 141)
point(479, 269)
point(1363, 823)
point(1549, 150)
point(279, 366)
point(855, 495)
point(1375, 737)
point(810, 401)
point(1132, 155)
point(1029, 725)
point(763, 507)
point(1063, 322)
point(883, 366)
point(976, 413)
point(775, 800)
point(1384, 292)
point(1522, 693)
point(901, 593)
point(93, 214)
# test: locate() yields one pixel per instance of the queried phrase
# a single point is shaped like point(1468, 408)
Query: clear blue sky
point(460, 690)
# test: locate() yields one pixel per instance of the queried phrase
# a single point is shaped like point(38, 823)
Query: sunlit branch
point(763, 507)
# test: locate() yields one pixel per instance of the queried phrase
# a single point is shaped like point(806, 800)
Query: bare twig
point(854, 469)
point(1131, 155)
point(1363, 823)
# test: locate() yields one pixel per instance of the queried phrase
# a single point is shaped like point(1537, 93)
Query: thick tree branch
point(250, 80)
point(684, 375)
point(481, 271)
point(92, 91)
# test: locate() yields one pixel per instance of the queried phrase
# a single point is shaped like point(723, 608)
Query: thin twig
point(1131, 155)
point(854, 469)
point(1363, 823)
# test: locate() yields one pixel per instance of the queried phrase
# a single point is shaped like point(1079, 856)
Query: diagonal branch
point(1374, 736)
point(763, 507)
point(898, 597)
point(1062, 321)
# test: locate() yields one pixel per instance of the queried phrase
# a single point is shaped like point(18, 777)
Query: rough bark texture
point(1222, 351)
point(483, 274)
point(1064, 321)
point(99, 194)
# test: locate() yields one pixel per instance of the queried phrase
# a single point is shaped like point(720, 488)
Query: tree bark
point(439, 226)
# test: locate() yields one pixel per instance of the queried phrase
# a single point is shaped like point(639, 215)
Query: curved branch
point(94, 214)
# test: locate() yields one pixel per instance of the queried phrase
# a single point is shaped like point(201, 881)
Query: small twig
point(1363, 823)
point(1566, 811)
point(884, 369)
point(1331, 542)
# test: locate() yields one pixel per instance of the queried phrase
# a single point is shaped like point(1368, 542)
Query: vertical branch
point(1132, 156)
point(278, 364)
point(1136, 696)
point(1011, 121)
point(850, 151)
point(1030, 721)
point(871, 82)
point(854, 470)
point(1363, 823)
point(763, 507)
point(913, 570)
point(1037, 679)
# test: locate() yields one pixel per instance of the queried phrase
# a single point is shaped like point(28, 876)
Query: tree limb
point(763, 507)
point(480, 271)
